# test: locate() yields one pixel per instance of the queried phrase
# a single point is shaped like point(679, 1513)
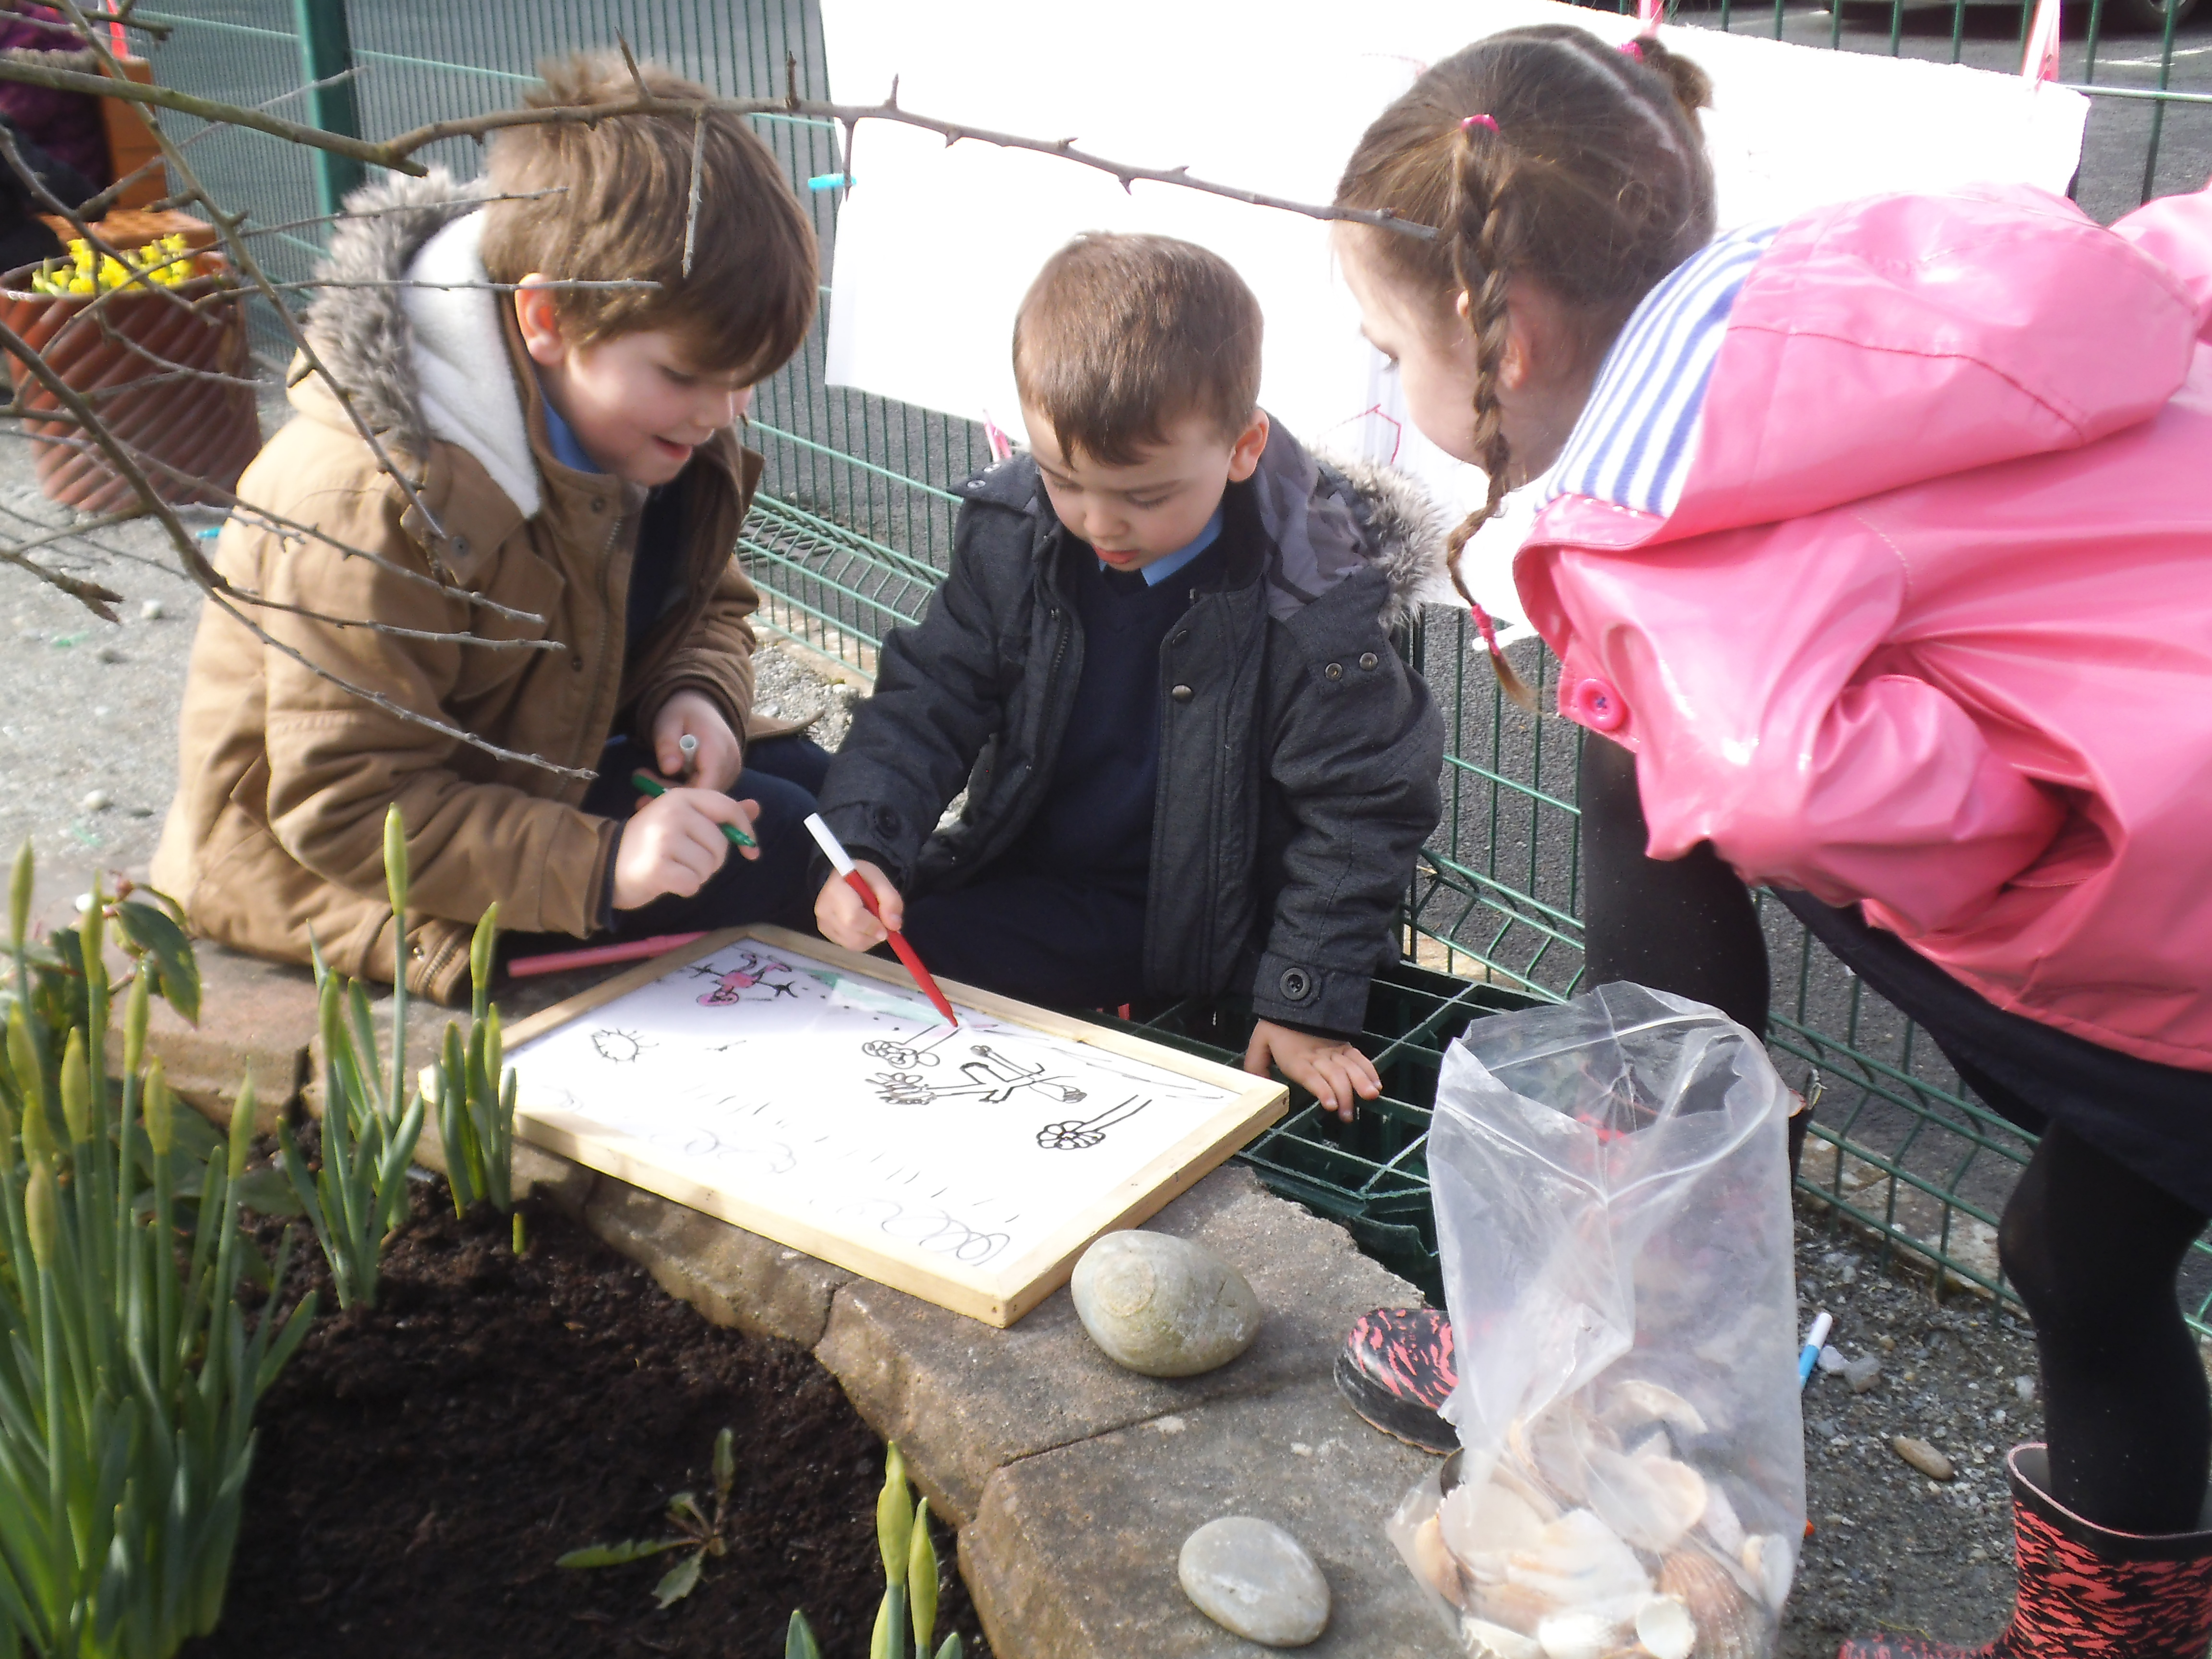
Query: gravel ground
point(1893, 1550)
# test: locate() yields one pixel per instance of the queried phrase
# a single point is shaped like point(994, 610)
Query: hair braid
point(1480, 206)
point(1547, 157)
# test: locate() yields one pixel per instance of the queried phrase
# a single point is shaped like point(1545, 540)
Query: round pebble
point(98, 800)
point(1163, 1306)
point(1252, 1577)
point(151, 610)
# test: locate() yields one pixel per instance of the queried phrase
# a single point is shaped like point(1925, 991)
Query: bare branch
point(398, 711)
point(294, 530)
point(207, 109)
point(617, 283)
point(171, 368)
point(397, 154)
point(91, 595)
point(692, 209)
point(70, 532)
point(395, 151)
point(405, 207)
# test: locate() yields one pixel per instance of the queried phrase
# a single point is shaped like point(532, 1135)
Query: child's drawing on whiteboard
point(993, 1080)
point(842, 1101)
point(900, 1055)
point(624, 1047)
point(750, 972)
point(1073, 1137)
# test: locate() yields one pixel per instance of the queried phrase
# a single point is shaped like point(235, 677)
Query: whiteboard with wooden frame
point(813, 1095)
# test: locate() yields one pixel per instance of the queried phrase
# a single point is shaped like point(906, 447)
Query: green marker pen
point(652, 785)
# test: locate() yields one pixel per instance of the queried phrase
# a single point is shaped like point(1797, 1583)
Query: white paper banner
point(937, 245)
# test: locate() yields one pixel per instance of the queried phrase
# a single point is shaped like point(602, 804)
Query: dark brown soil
point(421, 1466)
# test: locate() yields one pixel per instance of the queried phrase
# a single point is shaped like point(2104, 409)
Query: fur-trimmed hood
point(424, 363)
point(1402, 528)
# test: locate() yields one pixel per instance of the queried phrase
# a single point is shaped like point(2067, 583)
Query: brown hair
point(1121, 336)
point(621, 198)
point(1594, 183)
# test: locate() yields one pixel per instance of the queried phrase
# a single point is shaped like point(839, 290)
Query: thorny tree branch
point(399, 154)
point(220, 592)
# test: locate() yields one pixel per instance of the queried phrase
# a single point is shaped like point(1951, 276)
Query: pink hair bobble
point(1633, 48)
point(1475, 121)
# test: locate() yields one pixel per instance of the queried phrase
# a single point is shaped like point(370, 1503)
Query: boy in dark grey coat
point(1162, 665)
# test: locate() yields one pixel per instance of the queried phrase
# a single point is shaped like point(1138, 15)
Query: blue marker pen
point(1809, 1355)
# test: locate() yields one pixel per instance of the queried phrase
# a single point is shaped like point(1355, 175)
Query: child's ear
point(539, 318)
point(1251, 444)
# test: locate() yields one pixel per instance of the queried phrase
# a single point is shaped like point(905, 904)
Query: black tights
point(2092, 1249)
point(2091, 1246)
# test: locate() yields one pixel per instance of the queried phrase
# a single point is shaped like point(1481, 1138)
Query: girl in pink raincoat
point(1877, 552)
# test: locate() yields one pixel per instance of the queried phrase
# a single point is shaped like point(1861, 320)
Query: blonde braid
point(1479, 263)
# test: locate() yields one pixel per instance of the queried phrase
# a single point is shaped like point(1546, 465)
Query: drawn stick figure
point(731, 983)
point(994, 1078)
point(893, 1053)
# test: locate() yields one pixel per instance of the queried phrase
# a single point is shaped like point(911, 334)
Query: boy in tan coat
point(564, 572)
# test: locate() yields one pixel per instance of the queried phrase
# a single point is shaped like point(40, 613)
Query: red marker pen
point(834, 851)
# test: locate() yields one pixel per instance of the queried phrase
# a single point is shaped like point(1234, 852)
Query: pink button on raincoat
point(1930, 625)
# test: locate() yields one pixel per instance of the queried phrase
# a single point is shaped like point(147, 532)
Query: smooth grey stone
point(1162, 1306)
point(1252, 1577)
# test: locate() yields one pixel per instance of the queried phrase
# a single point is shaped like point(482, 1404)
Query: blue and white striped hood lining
point(1638, 434)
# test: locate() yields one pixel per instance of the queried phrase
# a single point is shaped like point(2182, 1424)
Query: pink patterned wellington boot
point(2085, 1593)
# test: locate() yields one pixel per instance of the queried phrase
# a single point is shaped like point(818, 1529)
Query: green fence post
point(326, 50)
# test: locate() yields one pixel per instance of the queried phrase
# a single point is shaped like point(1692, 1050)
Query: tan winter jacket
point(275, 834)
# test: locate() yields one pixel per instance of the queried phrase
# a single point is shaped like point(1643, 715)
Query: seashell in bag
point(1634, 1403)
point(1484, 1640)
point(1577, 1635)
point(1483, 1525)
point(1719, 1522)
point(1553, 1447)
point(1665, 1630)
point(1433, 1561)
point(1728, 1626)
point(1650, 1501)
point(1768, 1558)
point(1578, 1562)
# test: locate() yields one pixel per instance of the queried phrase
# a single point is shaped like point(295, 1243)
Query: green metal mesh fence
point(854, 527)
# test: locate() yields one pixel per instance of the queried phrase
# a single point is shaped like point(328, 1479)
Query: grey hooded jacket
point(1299, 756)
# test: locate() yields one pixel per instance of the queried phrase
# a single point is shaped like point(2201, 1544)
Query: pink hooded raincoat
point(1928, 625)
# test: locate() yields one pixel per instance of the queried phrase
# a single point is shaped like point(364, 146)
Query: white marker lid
point(828, 843)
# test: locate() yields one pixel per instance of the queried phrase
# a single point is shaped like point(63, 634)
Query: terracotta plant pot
point(194, 436)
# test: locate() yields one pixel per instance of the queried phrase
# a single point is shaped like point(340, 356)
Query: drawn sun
point(621, 1047)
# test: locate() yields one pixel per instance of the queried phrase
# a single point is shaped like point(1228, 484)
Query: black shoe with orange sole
point(1396, 1370)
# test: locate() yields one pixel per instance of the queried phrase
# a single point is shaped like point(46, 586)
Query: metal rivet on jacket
point(1334, 671)
point(1368, 659)
point(1297, 984)
point(1182, 693)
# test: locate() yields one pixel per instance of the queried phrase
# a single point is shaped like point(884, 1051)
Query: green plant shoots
point(698, 1533)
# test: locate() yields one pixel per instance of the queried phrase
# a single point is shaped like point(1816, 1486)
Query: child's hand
point(675, 843)
point(720, 757)
point(1333, 1072)
point(845, 920)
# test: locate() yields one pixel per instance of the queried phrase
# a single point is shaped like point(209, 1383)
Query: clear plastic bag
point(1611, 1180)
